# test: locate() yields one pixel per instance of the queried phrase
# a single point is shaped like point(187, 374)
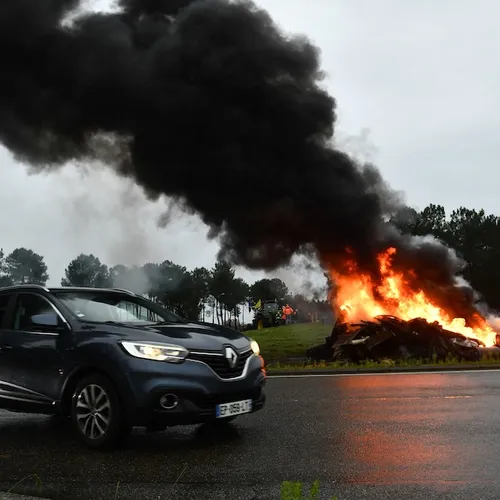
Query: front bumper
point(198, 390)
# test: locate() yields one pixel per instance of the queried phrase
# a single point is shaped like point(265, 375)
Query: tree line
point(215, 294)
point(218, 294)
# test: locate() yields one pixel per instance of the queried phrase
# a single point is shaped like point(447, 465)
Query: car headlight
point(156, 352)
point(255, 347)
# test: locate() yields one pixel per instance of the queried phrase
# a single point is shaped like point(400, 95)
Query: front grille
point(220, 364)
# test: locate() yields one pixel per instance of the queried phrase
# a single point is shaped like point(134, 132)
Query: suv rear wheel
point(97, 414)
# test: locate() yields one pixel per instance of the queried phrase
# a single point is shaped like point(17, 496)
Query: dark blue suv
point(112, 360)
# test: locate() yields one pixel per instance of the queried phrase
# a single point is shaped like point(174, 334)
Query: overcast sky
point(422, 78)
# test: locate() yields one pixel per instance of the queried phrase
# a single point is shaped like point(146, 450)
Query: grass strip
point(289, 341)
point(488, 362)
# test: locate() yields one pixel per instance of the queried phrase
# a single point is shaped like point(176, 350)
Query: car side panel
point(33, 363)
point(16, 391)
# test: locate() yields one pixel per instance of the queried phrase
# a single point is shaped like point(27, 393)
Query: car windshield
point(104, 307)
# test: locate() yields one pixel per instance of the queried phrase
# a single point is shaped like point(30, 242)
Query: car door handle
point(4, 348)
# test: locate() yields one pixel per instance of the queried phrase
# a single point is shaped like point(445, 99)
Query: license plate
point(230, 409)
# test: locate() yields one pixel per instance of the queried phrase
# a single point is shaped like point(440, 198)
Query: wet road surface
point(405, 436)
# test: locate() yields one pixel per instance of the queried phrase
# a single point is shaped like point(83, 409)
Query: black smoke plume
point(206, 102)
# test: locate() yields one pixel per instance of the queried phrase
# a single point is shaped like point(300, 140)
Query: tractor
point(267, 315)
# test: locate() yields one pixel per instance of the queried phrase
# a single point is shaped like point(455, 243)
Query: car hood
point(192, 336)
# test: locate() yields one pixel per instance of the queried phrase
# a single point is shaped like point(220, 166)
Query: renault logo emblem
point(231, 356)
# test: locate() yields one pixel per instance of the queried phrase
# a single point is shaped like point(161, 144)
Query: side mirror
point(45, 319)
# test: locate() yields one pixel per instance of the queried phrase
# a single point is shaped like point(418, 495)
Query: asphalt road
point(405, 436)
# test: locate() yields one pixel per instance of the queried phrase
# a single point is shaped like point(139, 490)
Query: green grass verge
point(289, 341)
point(384, 364)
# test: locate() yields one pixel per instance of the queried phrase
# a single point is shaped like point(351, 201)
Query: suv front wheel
point(97, 414)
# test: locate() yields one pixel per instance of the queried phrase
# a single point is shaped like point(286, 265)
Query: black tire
point(97, 414)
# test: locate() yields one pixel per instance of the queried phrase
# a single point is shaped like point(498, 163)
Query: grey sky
point(421, 77)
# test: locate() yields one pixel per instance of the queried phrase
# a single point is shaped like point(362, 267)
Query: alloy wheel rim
point(93, 411)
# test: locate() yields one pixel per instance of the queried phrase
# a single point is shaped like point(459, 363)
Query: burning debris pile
point(388, 337)
point(394, 312)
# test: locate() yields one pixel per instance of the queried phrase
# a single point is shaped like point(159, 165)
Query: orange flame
point(357, 302)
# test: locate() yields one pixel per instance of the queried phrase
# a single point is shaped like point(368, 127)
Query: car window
point(102, 307)
point(28, 305)
point(4, 303)
point(130, 311)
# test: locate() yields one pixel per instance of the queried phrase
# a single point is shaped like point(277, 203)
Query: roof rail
point(124, 290)
point(25, 285)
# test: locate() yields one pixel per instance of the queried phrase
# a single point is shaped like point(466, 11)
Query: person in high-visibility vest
point(288, 311)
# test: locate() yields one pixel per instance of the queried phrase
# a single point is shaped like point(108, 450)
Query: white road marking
point(440, 372)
